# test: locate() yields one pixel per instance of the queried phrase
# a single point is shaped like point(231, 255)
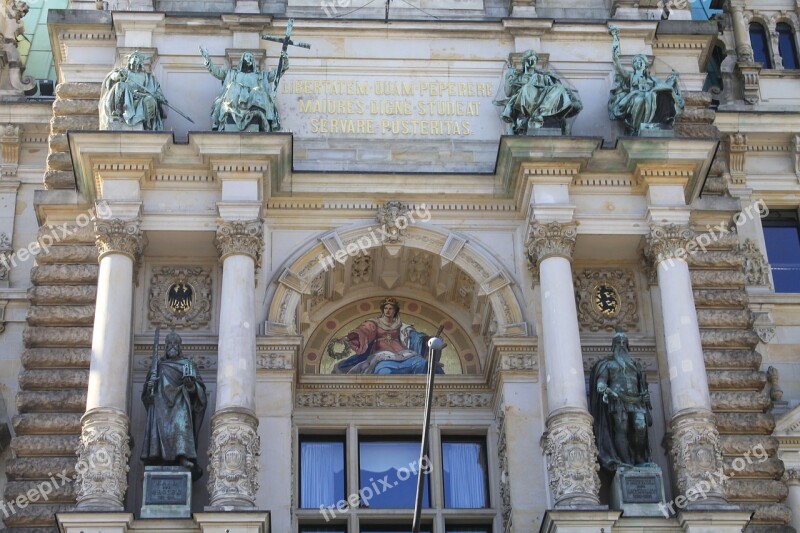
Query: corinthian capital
point(667, 242)
point(102, 469)
point(117, 236)
point(550, 239)
point(241, 237)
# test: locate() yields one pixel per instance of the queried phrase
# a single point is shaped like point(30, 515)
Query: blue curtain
point(464, 475)
point(322, 471)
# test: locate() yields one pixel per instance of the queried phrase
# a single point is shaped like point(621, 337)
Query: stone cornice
point(240, 237)
point(117, 236)
point(667, 242)
point(551, 239)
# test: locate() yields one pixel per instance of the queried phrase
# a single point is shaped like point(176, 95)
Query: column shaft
point(235, 444)
point(569, 444)
point(104, 450)
point(741, 34)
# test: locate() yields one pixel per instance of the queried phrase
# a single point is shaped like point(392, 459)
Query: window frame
point(768, 63)
point(780, 218)
point(312, 437)
point(792, 43)
point(403, 437)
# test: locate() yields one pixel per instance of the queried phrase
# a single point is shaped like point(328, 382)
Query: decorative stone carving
point(13, 85)
point(233, 467)
point(550, 239)
point(737, 156)
point(791, 476)
point(765, 333)
point(571, 454)
point(419, 268)
point(390, 399)
point(606, 298)
point(242, 237)
point(517, 361)
point(102, 467)
point(361, 270)
point(505, 485)
point(10, 142)
point(180, 297)
point(756, 268)
point(749, 73)
point(117, 236)
point(696, 451)
point(773, 380)
point(6, 251)
point(393, 217)
point(668, 242)
point(274, 361)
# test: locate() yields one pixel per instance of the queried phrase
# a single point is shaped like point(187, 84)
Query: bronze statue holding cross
point(247, 99)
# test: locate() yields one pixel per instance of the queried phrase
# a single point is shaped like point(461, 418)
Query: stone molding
point(117, 236)
point(571, 454)
point(392, 399)
point(102, 468)
point(696, 451)
point(10, 142)
point(233, 459)
point(667, 242)
point(550, 239)
point(240, 237)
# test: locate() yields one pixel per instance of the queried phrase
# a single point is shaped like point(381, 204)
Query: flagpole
point(435, 346)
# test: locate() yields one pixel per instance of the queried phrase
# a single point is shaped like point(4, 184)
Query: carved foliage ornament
point(756, 269)
point(550, 239)
point(394, 218)
point(696, 451)
point(233, 466)
point(242, 237)
point(606, 299)
point(668, 242)
point(180, 297)
point(117, 236)
point(571, 453)
point(505, 485)
point(6, 252)
point(102, 468)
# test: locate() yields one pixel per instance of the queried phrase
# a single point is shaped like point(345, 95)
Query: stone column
point(741, 33)
point(569, 446)
point(235, 444)
point(792, 478)
point(104, 448)
point(696, 448)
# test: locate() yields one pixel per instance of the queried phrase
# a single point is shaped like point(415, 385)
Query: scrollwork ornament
point(756, 268)
point(102, 468)
point(241, 237)
point(696, 451)
point(117, 236)
point(668, 242)
point(551, 239)
point(233, 452)
point(571, 454)
point(394, 219)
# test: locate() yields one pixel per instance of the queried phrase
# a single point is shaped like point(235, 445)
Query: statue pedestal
point(167, 492)
point(121, 126)
point(638, 491)
point(654, 130)
point(545, 132)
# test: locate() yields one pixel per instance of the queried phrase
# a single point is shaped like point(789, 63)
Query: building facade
point(393, 182)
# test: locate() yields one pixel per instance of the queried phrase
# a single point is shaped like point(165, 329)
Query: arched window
point(758, 39)
point(714, 71)
point(786, 45)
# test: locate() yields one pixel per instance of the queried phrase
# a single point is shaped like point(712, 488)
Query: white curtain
point(322, 470)
point(464, 475)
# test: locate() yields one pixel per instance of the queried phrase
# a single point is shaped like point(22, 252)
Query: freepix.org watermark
point(55, 235)
point(714, 233)
point(388, 232)
point(375, 488)
point(713, 480)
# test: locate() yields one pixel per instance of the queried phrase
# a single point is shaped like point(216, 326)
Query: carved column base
point(233, 452)
point(102, 468)
point(697, 459)
point(748, 74)
point(571, 454)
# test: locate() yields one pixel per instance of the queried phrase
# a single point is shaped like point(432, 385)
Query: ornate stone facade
point(697, 454)
point(606, 298)
point(550, 239)
point(233, 459)
point(180, 297)
point(668, 242)
point(117, 236)
point(103, 456)
point(571, 454)
point(243, 237)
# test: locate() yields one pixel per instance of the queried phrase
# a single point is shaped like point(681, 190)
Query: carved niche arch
point(425, 263)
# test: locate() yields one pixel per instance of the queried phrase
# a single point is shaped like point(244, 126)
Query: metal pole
point(435, 346)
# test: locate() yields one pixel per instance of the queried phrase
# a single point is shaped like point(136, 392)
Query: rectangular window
point(464, 468)
point(782, 238)
point(388, 474)
point(322, 478)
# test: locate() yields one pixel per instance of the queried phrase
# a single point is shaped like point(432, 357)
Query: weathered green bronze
point(131, 96)
point(175, 397)
point(247, 99)
point(619, 401)
point(639, 98)
point(536, 98)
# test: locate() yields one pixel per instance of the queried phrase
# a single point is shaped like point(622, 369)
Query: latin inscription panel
point(166, 490)
point(641, 489)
